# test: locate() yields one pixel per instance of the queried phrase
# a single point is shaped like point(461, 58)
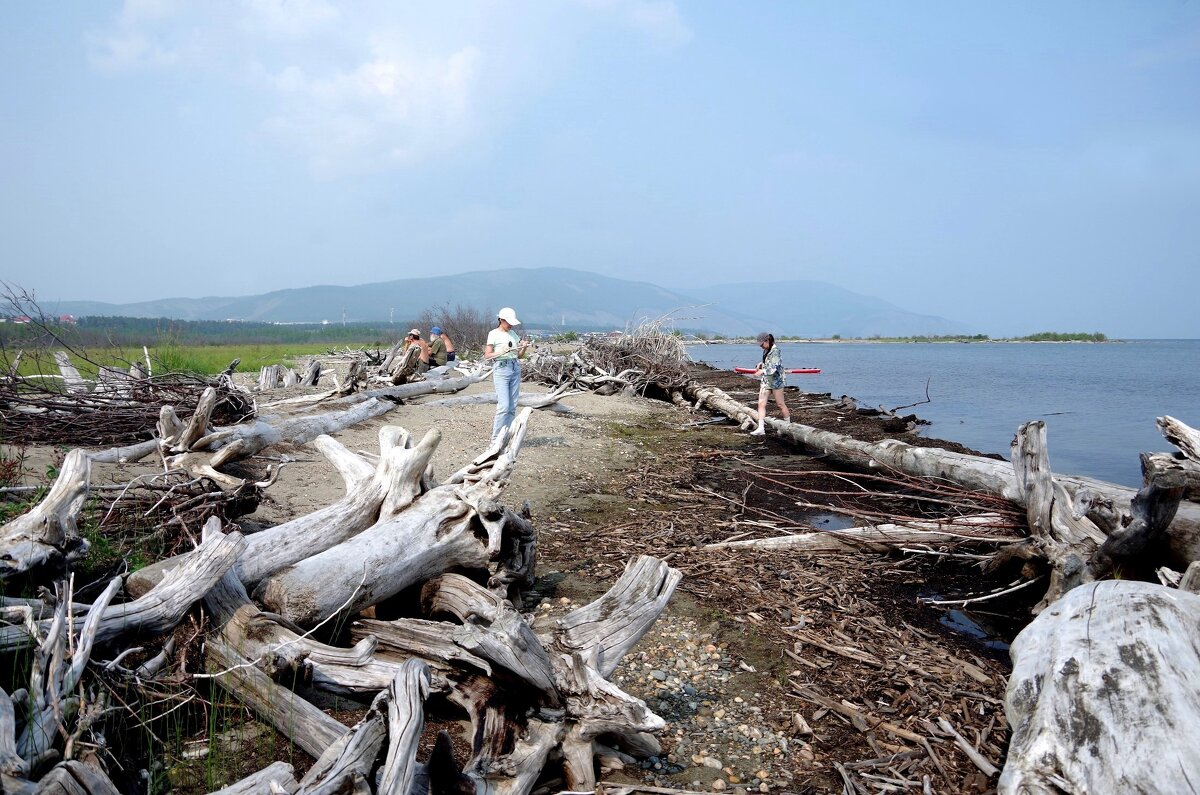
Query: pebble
point(684, 675)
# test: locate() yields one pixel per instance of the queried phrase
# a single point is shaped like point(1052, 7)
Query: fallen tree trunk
point(1101, 689)
point(883, 537)
point(968, 471)
point(396, 479)
point(441, 386)
point(197, 448)
point(159, 609)
point(310, 728)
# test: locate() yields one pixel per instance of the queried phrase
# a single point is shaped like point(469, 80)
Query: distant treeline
point(94, 332)
point(1058, 336)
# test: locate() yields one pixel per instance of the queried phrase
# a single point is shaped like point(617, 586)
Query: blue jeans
point(507, 378)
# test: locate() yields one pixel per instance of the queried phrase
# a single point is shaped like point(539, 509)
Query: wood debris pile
point(647, 360)
point(405, 596)
point(116, 408)
point(861, 678)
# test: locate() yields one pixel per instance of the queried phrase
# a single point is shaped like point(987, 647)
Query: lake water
point(1098, 401)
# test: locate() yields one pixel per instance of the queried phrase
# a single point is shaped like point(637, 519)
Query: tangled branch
point(648, 357)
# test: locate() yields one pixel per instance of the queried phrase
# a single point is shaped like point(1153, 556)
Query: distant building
point(67, 319)
point(22, 319)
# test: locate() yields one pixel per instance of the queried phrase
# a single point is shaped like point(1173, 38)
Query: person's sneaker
point(759, 431)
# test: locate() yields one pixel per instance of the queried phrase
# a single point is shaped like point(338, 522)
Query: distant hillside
point(558, 297)
point(819, 309)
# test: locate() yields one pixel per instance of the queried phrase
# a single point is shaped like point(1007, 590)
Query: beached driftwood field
point(324, 579)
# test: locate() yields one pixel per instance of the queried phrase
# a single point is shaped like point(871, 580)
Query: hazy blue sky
point(1016, 166)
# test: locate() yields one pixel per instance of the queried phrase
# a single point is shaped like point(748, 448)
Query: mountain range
point(561, 298)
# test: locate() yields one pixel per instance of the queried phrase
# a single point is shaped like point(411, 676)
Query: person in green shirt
point(438, 352)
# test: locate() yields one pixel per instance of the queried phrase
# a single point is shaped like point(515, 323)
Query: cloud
point(375, 85)
point(661, 21)
point(658, 20)
point(288, 19)
point(393, 109)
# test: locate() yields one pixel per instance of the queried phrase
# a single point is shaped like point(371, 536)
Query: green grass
point(171, 356)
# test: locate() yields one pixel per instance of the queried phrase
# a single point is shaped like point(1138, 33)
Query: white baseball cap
point(509, 316)
point(415, 332)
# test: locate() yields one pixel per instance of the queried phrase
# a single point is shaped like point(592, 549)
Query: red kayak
point(796, 371)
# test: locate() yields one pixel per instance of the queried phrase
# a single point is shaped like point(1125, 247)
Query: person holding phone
point(505, 349)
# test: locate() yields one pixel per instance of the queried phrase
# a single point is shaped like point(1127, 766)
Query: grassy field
point(172, 357)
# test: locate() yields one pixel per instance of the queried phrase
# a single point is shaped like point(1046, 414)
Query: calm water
point(1098, 401)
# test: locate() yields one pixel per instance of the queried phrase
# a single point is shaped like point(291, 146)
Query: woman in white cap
point(505, 349)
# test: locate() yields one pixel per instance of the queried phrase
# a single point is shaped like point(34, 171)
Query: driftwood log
point(1102, 685)
point(1106, 504)
point(532, 696)
point(971, 530)
point(198, 448)
point(48, 534)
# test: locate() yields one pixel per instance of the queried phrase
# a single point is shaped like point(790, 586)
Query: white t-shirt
point(504, 343)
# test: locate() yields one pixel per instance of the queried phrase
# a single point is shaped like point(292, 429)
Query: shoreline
point(893, 341)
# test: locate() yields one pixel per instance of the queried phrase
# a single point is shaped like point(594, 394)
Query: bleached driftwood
point(300, 721)
point(276, 774)
point(312, 374)
point(1186, 470)
point(1102, 693)
point(346, 395)
point(74, 777)
point(609, 627)
point(1066, 540)
point(74, 382)
point(440, 386)
point(269, 377)
point(58, 664)
point(287, 655)
point(967, 471)
point(346, 765)
point(536, 400)
point(196, 447)
point(161, 608)
point(882, 537)
point(1183, 436)
point(491, 628)
point(48, 533)
point(450, 525)
point(397, 479)
point(406, 719)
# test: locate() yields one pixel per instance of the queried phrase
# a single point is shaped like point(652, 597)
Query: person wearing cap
point(770, 369)
point(504, 349)
point(439, 351)
point(414, 338)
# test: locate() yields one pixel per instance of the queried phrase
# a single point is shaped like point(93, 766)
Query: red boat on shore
point(794, 371)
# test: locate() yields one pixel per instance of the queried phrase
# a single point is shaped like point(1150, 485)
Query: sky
point(1017, 166)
